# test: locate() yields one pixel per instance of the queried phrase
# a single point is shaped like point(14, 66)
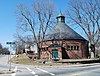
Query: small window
point(68, 47)
point(62, 20)
point(71, 47)
point(77, 48)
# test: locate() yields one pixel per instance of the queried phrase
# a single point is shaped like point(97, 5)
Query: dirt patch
point(6, 72)
point(23, 59)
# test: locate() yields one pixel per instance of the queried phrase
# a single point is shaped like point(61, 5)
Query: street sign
point(10, 43)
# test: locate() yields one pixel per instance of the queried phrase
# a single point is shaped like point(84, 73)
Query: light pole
point(10, 43)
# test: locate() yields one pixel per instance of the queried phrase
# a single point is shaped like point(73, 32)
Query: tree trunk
point(92, 46)
point(38, 51)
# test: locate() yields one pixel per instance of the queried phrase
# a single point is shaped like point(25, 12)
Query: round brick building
point(62, 42)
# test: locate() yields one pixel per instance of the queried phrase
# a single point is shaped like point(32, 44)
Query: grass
point(22, 59)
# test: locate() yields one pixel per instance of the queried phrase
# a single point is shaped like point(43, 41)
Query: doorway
point(55, 54)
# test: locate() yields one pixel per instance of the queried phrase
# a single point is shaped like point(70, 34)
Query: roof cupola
point(60, 18)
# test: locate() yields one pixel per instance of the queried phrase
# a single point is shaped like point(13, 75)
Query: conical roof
point(63, 31)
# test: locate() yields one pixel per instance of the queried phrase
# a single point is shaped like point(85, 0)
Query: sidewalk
point(4, 60)
point(4, 65)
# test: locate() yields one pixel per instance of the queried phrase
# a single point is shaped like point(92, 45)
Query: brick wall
point(69, 49)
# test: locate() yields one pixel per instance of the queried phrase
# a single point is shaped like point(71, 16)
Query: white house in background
point(32, 48)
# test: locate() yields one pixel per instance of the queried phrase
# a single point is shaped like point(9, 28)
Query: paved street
point(28, 70)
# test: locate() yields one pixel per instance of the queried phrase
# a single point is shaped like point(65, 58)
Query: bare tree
point(37, 20)
point(22, 42)
point(1, 48)
point(4, 50)
point(86, 15)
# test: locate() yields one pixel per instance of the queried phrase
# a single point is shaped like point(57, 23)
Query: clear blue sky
point(8, 18)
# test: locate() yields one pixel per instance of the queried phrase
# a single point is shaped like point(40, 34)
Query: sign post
point(9, 59)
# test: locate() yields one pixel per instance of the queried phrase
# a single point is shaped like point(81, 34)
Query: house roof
point(62, 31)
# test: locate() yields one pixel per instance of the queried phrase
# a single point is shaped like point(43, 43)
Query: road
point(75, 70)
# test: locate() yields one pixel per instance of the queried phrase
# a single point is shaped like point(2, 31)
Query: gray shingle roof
point(62, 31)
